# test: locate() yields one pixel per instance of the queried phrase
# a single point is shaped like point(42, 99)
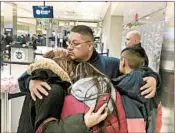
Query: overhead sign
point(43, 11)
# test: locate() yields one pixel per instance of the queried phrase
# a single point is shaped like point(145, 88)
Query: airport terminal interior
point(29, 29)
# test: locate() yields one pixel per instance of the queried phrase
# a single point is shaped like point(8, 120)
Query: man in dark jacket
point(133, 38)
point(81, 49)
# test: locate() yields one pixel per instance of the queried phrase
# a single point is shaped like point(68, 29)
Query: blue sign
point(43, 11)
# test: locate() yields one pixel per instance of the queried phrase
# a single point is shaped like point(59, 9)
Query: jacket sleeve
point(116, 66)
point(23, 82)
point(112, 67)
point(150, 72)
point(71, 124)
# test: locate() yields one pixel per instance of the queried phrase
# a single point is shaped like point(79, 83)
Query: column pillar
point(112, 33)
point(10, 19)
point(115, 38)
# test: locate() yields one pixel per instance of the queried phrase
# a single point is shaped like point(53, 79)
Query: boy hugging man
point(137, 108)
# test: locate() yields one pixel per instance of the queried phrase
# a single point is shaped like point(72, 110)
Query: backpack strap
point(44, 124)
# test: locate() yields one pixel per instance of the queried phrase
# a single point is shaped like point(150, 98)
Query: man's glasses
point(73, 44)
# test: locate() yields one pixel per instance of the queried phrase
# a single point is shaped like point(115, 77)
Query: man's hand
point(149, 89)
point(38, 87)
point(91, 119)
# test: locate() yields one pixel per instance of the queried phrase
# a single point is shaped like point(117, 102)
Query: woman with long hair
point(84, 83)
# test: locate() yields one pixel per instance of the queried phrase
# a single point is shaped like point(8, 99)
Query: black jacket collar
point(94, 56)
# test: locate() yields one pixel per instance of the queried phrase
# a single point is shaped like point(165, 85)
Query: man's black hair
point(83, 30)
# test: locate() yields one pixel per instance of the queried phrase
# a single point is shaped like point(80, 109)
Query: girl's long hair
point(77, 71)
point(85, 70)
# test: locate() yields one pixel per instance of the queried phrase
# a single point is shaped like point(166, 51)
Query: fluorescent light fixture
point(148, 17)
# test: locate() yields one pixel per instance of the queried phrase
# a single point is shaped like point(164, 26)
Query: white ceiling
point(88, 11)
point(129, 9)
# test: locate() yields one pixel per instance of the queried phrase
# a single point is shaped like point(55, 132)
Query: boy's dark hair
point(135, 56)
point(143, 52)
point(83, 30)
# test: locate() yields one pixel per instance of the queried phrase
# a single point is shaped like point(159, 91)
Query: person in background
point(8, 41)
point(133, 38)
point(8, 38)
point(19, 38)
point(27, 37)
point(23, 40)
point(64, 42)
